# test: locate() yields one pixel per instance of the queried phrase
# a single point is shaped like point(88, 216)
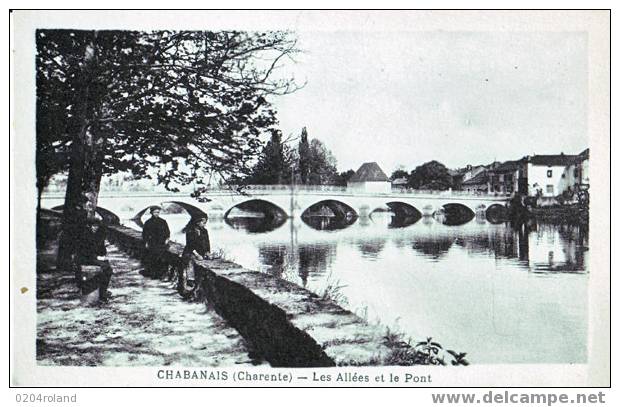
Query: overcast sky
point(457, 97)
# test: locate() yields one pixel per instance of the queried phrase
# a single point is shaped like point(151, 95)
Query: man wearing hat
point(155, 235)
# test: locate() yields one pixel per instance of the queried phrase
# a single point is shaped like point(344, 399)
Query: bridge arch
point(329, 214)
point(269, 209)
point(190, 209)
point(138, 216)
point(402, 214)
point(272, 216)
point(497, 213)
point(330, 208)
point(404, 209)
point(108, 216)
point(454, 214)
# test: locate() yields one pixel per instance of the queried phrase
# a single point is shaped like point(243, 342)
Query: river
point(501, 294)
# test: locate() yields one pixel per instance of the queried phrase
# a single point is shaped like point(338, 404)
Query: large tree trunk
point(86, 165)
point(82, 193)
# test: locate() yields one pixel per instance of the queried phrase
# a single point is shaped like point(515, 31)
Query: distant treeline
point(309, 163)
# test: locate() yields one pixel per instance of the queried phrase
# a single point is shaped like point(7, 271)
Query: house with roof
point(467, 173)
point(551, 175)
point(478, 184)
point(508, 177)
point(369, 178)
point(471, 171)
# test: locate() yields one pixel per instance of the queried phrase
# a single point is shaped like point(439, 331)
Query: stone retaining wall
point(286, 324)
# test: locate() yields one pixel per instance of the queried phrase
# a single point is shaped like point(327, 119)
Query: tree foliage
point(275, 163)
point(399, 173)
point(344, 177)
point(190, 103)
point(311, 163)
point(322, 164)
point(316, 163)
point(430, 175)
point(187, 101)
point(304, 157)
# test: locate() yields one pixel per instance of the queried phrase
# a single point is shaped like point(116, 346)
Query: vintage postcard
point(310, 198)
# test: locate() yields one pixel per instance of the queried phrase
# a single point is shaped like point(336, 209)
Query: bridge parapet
point(344, 190)
point(285, 188)
point(448, 193)
point(278, 187)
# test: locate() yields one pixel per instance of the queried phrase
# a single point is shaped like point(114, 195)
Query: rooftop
point(481, 178)
point(553, 160)
point(509, 166)
point(369, 172)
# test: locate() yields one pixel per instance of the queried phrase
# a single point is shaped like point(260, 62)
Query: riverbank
point(283, 323)
point(143, 324)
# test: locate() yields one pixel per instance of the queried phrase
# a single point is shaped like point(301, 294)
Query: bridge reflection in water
point(482, 288)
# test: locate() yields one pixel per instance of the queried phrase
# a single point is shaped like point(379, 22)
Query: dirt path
point(145, 323)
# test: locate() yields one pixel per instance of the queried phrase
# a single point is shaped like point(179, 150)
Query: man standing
point(155, 235)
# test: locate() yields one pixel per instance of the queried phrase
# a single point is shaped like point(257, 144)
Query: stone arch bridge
point(295, 201)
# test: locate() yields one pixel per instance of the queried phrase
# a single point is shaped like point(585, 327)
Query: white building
point(369, 178)
point(552, 175)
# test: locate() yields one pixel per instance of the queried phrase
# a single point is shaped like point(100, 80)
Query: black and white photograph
point(249, 198)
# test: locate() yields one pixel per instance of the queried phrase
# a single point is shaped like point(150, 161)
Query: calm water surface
point(501, 294)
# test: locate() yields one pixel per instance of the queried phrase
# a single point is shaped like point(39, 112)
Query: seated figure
point(91, 251)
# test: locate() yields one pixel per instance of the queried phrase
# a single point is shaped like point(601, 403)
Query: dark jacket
point(196, 238)
point(91, 244)
point(155, 232)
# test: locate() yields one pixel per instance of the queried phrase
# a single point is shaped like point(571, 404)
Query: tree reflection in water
point(536, 246)
point(275, 257)
point(315, 259)
point(434, 247)
point(371, 249)
point(557, 248)
point(503, 242)
point(301, 262)
point(394, 270)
